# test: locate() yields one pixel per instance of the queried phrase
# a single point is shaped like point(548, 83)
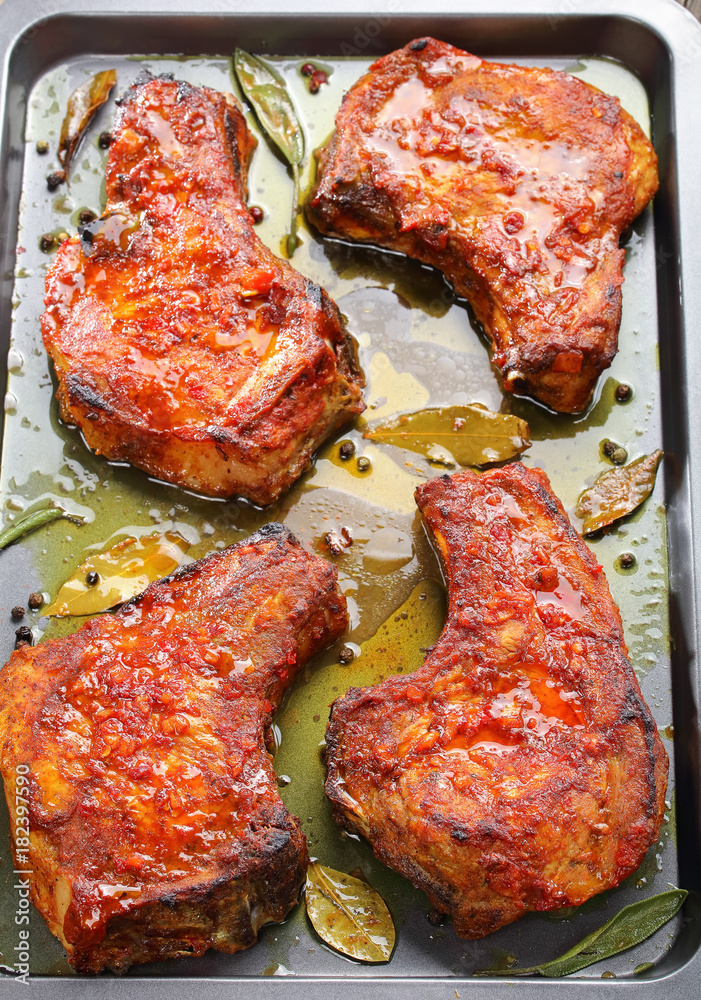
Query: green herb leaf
point(267, 94)
point(32, 521)
point(349, 914)
point(456, 435)
point(82, 105)
point(617, 492)
point(632, 925)
point(124, 570)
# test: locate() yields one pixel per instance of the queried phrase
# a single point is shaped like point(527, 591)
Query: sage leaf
point(632, 925)
point(456, 435)
point(122, 571)
point(265, 90)
point(617, 492)
point(82, 105)
point(349, 914)
point(33, 520)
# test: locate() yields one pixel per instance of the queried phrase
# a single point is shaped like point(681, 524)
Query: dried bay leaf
point(82, 105)
point(456, 435)
point(349, 914)
point(617, 492)
point(632, 925)
point(124, 570)
point(265, 89)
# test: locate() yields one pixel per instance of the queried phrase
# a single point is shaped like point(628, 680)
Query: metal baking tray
point(647, 51)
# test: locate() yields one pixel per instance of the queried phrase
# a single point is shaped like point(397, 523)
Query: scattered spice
point(257, 214)
point(608, 448)
point(104, 140)
point(623, 392)
point(627, 560)
point(346, 654)
point(24, 634)
point(92, 579)
point(86, 216)
point(619, 456)
point(363, 463)
point(47, 242)
point(55, 180)
point(347, 450)
point(338, 541)
point(35, 600)
point(17, 611)
point(435, 917)
point(42, 147)
point(308, 69)
point(318, 78)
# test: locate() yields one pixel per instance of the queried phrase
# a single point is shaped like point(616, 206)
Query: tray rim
point(680, 34)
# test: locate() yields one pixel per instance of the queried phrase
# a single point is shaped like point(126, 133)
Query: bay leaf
point(82, 105)
point(456, 435)
point(349, 914)
point(124, 570)
point(629, 927)
point(265, 89)
point(617, 492)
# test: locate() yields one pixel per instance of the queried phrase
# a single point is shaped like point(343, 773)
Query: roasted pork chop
point(180, 342)
point(155, 823)
point(519, 768)
point(516, 183)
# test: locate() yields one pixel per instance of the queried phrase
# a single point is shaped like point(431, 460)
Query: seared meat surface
point(519, 768)
point(155, 822)
point(516, 183)
point(180, 342)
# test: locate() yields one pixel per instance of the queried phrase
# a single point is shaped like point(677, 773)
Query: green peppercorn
point(42, 147)
point(363, 464)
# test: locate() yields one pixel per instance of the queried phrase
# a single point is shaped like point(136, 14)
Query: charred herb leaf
point(349, 914)
point(82, 105)
point(123, 571)
point(632, 925)
point(617, 493)
point(267, 94)
point(456, 435)
point(32, 521)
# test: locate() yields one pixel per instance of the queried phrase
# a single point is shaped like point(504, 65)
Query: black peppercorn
point(17, 611)
point(24, 634)
point(35, 600)
point(608, 448)
point(623, 392)
point(55, 180)
point(47, 242)
point(347, 450)
point(86, 216)
point(104, 140)
point(346, 654)
point(627, 560)
point(92, 578)
point(42, 147)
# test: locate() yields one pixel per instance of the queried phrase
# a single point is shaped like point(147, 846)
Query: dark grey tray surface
point(658, 41)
